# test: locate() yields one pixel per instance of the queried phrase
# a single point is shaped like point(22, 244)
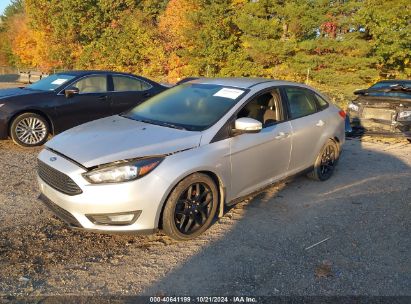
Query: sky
point(3, 4)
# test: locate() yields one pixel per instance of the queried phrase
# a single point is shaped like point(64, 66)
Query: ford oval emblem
point(53, 159)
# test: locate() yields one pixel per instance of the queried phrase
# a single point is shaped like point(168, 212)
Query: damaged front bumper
point(380, 127)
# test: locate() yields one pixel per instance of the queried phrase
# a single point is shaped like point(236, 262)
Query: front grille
point(60, 212)
point(57, 179)
point(376, 113)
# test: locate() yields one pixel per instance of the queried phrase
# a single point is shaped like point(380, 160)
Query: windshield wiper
point(157, 123)
point(167, 124)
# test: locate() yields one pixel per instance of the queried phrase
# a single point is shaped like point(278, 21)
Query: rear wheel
point(326, 161)
point(29, 130)
point(191, 207)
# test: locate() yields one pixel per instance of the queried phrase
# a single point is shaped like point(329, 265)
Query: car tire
point(29, 130)
point(326, 161)
point(188, 213)
point(409, 140)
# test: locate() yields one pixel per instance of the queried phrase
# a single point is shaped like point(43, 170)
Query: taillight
point(342, 114)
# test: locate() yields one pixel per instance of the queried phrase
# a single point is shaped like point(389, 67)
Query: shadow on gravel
point(362, 215)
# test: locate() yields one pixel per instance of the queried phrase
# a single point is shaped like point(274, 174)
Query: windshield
point(391, 89)
point(386, 84)
point(194, 107)
point(50, 83)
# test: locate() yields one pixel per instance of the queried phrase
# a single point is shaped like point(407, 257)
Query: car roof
point(87, 72)
point(243, 82)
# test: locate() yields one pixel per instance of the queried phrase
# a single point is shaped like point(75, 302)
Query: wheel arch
point(35, 111)
point(337, 142)
point(217, 180)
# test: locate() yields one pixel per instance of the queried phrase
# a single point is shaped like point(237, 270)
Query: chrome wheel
point(193, 208)
point(31, 130)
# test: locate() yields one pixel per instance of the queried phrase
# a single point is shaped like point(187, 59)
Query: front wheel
point(191, 207)
point(326, 161)
point(29, 130)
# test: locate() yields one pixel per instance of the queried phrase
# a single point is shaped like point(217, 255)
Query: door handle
point(147, 94)
point(320, 123)
point(103, 97)
point(282, 135)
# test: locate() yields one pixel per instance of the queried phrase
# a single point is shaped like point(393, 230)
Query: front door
point(92, 102)
point(261, 158)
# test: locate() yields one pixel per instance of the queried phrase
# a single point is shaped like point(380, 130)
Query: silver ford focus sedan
point(175, 161)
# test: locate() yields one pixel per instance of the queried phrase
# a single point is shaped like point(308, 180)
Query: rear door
point(259, 159)
point(308, 124)
point(128, 92)
point(92, 102)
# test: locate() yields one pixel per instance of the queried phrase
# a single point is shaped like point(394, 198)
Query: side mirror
point(247, 125)
point(70, 92)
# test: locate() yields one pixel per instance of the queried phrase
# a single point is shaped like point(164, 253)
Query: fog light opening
point(113, 219)
point(121, 218)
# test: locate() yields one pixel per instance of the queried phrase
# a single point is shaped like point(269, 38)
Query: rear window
point(393, 93)
point(389, 83)
point(322, 103)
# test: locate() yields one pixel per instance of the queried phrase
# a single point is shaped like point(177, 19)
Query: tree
point(388, 30)
point(214, 36)
point(129, 45)
point(6, 53)
point(344, 44)
point(174, 24)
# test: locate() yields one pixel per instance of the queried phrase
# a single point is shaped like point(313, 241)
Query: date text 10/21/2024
point(237, 299)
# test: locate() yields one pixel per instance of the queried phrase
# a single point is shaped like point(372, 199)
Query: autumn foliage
point(343, 45)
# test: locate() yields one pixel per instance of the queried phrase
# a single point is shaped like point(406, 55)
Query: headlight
point(123, 172)
point(404, 115)
point(1, 104)
point(353, 107)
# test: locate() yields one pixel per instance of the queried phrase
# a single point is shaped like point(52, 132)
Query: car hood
point(5, 93)
point(117, 138)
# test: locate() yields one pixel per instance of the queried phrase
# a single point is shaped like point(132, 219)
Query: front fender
point(211, 158)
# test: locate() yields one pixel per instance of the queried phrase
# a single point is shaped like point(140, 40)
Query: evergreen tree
point(341, 45)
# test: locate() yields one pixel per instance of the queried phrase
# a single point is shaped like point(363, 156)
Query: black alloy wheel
point(191, 207)
point(326, 161)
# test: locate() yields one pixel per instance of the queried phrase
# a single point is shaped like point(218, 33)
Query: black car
point(383, 109)
point(64, 100)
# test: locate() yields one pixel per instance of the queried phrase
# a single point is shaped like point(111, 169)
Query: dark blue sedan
point(64, 100)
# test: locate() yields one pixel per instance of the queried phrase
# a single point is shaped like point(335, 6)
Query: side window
point(322, 103)
point(265, 108)
point(123, 83)
point(92, 84)
point(301, 102)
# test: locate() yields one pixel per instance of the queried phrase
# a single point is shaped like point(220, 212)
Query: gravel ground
point(260, 247)
point(257, 248)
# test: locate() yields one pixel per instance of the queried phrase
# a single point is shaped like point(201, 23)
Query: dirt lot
point(258, 248)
